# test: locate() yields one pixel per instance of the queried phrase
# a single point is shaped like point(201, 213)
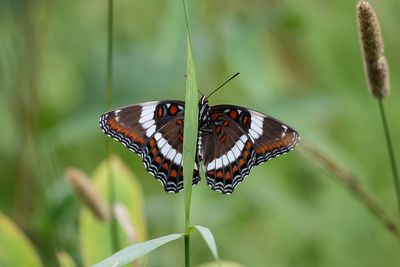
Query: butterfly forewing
point(154, 130)
point(238, 140)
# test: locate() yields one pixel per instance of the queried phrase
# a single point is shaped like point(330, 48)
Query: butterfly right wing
point(154, 130)
point(240, 139)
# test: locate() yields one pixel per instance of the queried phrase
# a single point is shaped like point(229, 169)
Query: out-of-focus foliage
point(300, 61)
point(64, 260)
point(94, 235)
point(222, 263)
point(16, 250)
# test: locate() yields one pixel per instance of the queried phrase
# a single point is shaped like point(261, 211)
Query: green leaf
point(65, 260)
point(135, 251)
point(15, 248)
point(209, 238)
point(191, 124)
point(95, 235)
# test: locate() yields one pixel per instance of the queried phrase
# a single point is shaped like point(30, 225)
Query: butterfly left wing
point(154, 130)
point(238, 140)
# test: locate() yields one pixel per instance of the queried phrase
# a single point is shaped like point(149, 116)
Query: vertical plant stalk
point(377, 72)
point(111, 182)
point(391, 152)
point(187, 250)
point(190, 132)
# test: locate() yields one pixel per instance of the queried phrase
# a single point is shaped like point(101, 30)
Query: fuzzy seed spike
point(375, 64)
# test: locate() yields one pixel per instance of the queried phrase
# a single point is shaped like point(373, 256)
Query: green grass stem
point(111, 185)
point(391, 152)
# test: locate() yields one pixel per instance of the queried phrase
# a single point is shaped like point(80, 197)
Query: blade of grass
point(209, 239)
point(191, 123)
point(136, 251)
point(190, 131)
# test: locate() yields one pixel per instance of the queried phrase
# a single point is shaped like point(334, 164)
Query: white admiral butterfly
point(231, 140)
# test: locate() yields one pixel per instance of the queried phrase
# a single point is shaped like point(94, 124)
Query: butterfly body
point(231, 140)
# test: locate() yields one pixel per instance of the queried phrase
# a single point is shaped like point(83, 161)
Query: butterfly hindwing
point(238, 140)
point(154, 130)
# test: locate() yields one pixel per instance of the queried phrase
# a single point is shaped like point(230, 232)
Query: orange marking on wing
point(226, 123)
point(165, 166)
point(140, 140)
point(228, 175)
point(248, 145)
point(173, 109)
point(223, 139)
point(266, 148)
point(160, 112)
point(132, 135)
point(114, 125)
point(180, 137)
point(235, 168)
point(245, 120)
point(210, 173)
point(263, 149)
point(233, 114)
point(154, 151)
point(173, 173)
point(218, 129)
point(157, 159)
point(219, 174)
point(214, 116)
point(246, 154)
point(179, 122)
point(152, 142)
point(242, 162)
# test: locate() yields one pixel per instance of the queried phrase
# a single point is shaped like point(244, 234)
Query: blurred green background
point(299, 61)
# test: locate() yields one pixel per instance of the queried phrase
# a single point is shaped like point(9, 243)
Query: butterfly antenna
point(219, 87)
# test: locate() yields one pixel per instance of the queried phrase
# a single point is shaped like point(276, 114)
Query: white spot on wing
point(256, 127)
point(218, 163)
point(236, 151)
point(157, 136)
point(151, 131)
point(161, 142)
point(150, 105)
point(165, 149)
point(211, 165)
point(146, 112)
point(253, 133)
point(225, 160)
point(148, 124)
point(178, 158)
point(231, 157)
point(171, 154)
point(257, 121)
point(147, 117)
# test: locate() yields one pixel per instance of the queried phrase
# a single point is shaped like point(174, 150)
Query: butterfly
point(231, 140)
